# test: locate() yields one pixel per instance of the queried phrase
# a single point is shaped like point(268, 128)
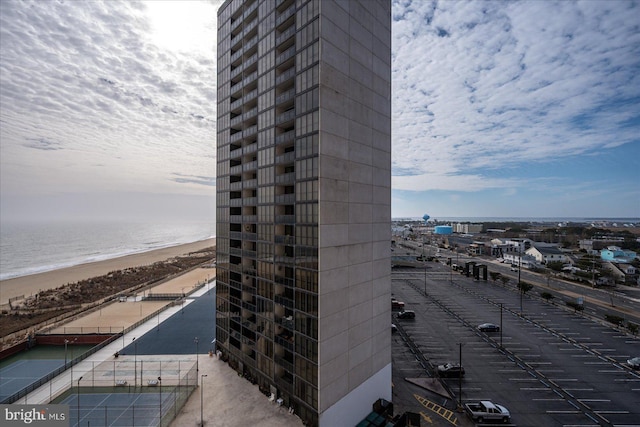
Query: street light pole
point(460, 378)
point(201, 399)
point(195, 340)
point(501, 325)
point(160, 384)
point(135, 362)
point(78, 400)
point(519, 272)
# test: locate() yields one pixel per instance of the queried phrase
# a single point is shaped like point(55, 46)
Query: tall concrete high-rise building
point(304, 202)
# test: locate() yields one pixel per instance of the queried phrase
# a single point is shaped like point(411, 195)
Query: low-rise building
point(546, 253)
point(617, 255)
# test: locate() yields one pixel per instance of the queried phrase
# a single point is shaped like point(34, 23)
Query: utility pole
point(201, 399)
point(460, 378)
point(519, 273)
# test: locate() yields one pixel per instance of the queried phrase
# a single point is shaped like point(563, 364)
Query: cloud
point(96, 76)
point(480, 86)
point(202, 180)
point(43, 144)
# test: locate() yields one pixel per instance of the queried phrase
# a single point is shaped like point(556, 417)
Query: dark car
point(450, 370)
point(634, 362)
point(488, 327)
point(406, 314)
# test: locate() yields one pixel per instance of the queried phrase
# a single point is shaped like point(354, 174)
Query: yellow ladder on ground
point(445, 413)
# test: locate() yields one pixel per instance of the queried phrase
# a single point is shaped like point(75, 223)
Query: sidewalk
point(230, 401)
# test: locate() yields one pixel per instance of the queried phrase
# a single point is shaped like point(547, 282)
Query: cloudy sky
point(500, 109)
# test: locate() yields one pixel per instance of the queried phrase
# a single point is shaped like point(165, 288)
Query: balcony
point(286, 14)
point(248, 45)
point(284, 36)
point(289, 53)
point(250, 9)
point(285, 199)
point(287, 116)
point(285, 384)
point(247, 29)
point(235, 104)
point(285, 240)
point(248, 253)
point(285, 96)
point(249, 306)
point(250, 95)
point(251, 113)
point(252, 237)
point(251, 166)
point(285, 219)
point(282, 300)
point(287, 281)
point(286, 158)
point(251, 148)
point(290, 73)
point(250, 78)
point(235, 121)
point(250, 183)
point(250, 131)
point(236, 71)
point(236, 55)
point(235, 137)
point(286, 364)
point(283, 137)
point(285, 341)
point(286, 178)
point(249, 201)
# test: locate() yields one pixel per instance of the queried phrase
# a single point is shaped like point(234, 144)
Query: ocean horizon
point(583, 220)
point(35, 247)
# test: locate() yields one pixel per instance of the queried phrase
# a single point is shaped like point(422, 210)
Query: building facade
point(304, 202)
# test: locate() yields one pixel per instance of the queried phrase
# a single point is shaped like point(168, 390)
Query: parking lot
point(547, 365)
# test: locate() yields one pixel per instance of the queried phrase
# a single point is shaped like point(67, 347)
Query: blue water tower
point(426, 217)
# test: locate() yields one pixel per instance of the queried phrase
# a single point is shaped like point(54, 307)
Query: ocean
point(34, 247)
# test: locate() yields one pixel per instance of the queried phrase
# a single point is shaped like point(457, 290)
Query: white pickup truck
point(487, 410)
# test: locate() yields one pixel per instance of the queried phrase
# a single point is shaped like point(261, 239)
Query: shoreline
point(34, 283)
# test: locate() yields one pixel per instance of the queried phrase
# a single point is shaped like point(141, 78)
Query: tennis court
point(128, 393)
point(124, 409)
point(32, 366)
point(20, 374)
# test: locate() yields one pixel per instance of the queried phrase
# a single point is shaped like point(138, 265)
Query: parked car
point(396, 305)
point(487, 410)
point(394, 328)
point(514, 267)
point(406, 314)
point(488, 327)
point(450, 370)
point(634, 362)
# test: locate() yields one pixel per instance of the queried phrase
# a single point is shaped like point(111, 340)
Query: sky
point(500, 109)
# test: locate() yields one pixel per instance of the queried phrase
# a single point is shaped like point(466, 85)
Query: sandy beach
point(32, 284)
